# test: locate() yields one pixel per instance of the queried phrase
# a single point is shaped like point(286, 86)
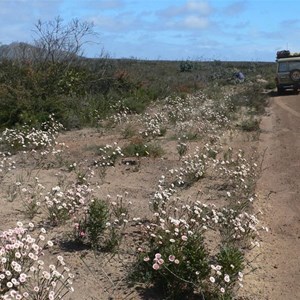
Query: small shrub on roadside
point(155, 125)
point(182, 148)
point(226, 273)
point(7, 164)
point(92, 227)
point(108, 155)
point(193, 168)
point(270, 85)
point(30, 196)
point(175, 258)
point(136, 149)
point(102, 224)
point(250, 124)
point(142, 149)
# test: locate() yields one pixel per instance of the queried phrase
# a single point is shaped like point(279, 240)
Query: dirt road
point(278, 263)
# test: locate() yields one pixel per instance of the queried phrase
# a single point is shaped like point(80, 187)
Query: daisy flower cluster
point(239, 173)
point(154, 124)
point(108, 155)
point(193, 168)
point(122, 114)
point(174, 247)
point(61, 204)
point(30, 138)
point(24, 273)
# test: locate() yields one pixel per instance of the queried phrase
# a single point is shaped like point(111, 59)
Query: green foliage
point(102, 224)
point(182, 266)
point(136, 149)
point(270, 85)
point(82, 92)
point(140, 148)
point(95, 223)
point(186, 66)
point(250, 124)
point(231, 259)
point(252, 98)
point(181, 148)
point(136, 103)
point(155, 150)
point(175, 258)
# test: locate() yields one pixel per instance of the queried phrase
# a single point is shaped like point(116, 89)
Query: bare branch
point(57, 41)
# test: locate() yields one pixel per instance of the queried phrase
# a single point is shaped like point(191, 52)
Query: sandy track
point(278, 263)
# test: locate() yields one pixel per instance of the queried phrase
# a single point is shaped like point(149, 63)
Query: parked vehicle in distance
point(288, 71)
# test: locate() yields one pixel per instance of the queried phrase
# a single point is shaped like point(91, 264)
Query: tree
point(60, 42)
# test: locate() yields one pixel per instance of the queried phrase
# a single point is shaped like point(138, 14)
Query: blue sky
point(243, 30)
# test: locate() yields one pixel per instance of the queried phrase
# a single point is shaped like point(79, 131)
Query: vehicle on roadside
point(288, 71)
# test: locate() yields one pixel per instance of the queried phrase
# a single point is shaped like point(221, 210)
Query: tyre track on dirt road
point(278, 262)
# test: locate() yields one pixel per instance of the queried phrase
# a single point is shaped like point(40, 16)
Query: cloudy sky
point(245, 30)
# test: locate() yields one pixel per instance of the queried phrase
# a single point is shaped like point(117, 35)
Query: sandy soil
point(278, 265)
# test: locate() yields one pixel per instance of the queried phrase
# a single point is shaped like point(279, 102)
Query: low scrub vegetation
point(190, 237)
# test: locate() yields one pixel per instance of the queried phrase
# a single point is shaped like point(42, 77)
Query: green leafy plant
point(174, 257)
point(102, 224)
point(92, 227)
point(186, 66)
point(140, 148)
point(250, 124)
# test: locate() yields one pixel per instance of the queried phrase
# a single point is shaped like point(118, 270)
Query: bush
point(141, 149)
point(92, 227)
point(175, 269)
point(102, 224)
point(175, 258)
point(252, 98)
point(250, 124)
point(186, 66)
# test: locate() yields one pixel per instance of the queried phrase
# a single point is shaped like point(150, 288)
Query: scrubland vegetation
point(183, 126)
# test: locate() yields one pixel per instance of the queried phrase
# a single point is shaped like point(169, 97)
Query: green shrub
point(251, 97)
point(270, 85)
point(141, 149)
point(108, 155)
point(186, 66)
point(93, 226)
point(174, 256)
point(250, 124)
point(102, 224)
point(175, 269)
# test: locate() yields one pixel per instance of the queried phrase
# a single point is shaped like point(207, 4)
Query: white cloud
point(191, 6)
point(201, 7)
point(191, 15)
point(195, 22)
point(122, 22)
